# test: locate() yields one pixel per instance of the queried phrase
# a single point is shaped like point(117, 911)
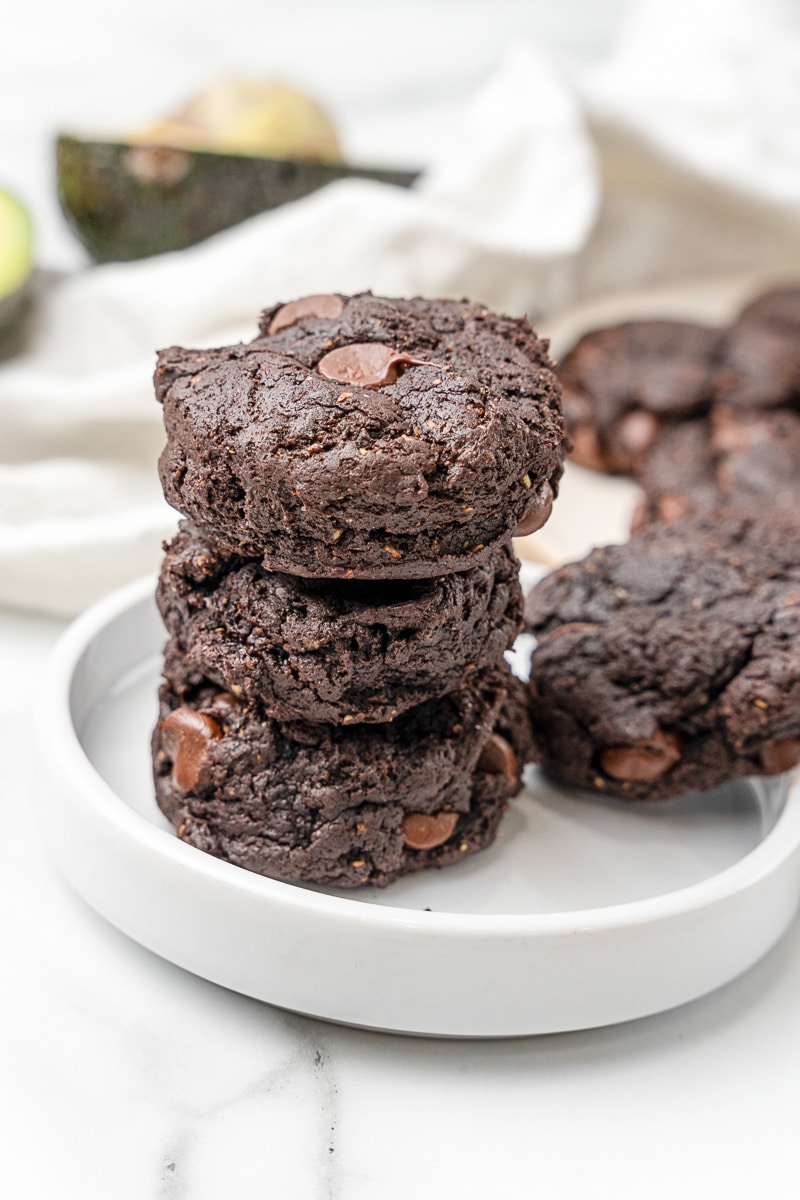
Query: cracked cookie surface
point(673, 662)
point(394, 439)
point(760, 364)
point(343, 651)
point(730, 460)
point(312, 803)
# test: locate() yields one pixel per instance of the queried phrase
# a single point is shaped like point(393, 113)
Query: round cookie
point(343, 807)
point(394, 439)
point(625, 384)
point(342, 651)
point(673, 662)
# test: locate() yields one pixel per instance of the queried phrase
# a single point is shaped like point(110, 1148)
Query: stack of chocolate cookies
point(336, 708)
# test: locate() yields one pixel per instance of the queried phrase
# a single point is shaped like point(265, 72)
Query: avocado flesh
point(16, 245)
point(16, 272)
point(128, 200)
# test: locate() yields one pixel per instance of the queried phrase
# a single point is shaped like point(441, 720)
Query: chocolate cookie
point(673, 662)
point(345, 807)
point(365, 437)
point(760, 365)
point(778, 307)
point(757, 454)
point(624, 385)
point(344, 651)
point(732, 459)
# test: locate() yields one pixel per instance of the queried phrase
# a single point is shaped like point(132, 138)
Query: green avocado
point(127, 200)
point(16, 267)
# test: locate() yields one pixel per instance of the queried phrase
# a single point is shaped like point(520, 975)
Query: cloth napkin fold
point(678, 154)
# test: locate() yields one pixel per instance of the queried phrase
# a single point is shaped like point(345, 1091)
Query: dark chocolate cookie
point(673, 662)
point(757, 455)
point(778, 307)
point(760, 365)
point(365, 437)
point(344, 651)
point(326, 805)
point(730, 460)
point(625, 384)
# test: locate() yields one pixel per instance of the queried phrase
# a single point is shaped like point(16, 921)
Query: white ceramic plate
point(583, 913)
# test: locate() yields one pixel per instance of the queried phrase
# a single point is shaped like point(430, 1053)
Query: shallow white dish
point(582, 914)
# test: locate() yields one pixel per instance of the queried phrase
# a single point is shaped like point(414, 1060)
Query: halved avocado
point(128, 200)
point(16, 266)
point(240, 147)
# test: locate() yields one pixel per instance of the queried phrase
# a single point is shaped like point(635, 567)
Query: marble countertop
point(125, 1078)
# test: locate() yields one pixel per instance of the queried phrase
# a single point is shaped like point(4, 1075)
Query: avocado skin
point(15, 310)
point(128, 201)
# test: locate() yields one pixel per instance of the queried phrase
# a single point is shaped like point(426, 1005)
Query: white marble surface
point(124, 1078)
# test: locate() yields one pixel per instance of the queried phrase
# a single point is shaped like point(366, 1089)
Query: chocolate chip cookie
point(322, 804)
point(732, 459)
point(364, 437)
point(673, 662)
point(778, 307)
point(760, 362)
point(625, 384)
point(343, 651)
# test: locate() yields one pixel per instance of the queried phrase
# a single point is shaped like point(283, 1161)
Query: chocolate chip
point(365, 364)
point(729, 435)
point(187, 736)
point(423, 832)
point(673, 507)
point(308, 306)
point(668, 508)
point(498, 758)
point(643, 762)
point(586, 448)
point(637, 431)
point(536, 516)
point(779, 755)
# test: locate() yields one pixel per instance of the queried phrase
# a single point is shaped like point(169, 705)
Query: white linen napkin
point(652, 165)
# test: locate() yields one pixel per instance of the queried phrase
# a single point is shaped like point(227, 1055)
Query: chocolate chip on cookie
point(673, 662)
point(316, 803)
point(626, 384)
point(390, 439)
